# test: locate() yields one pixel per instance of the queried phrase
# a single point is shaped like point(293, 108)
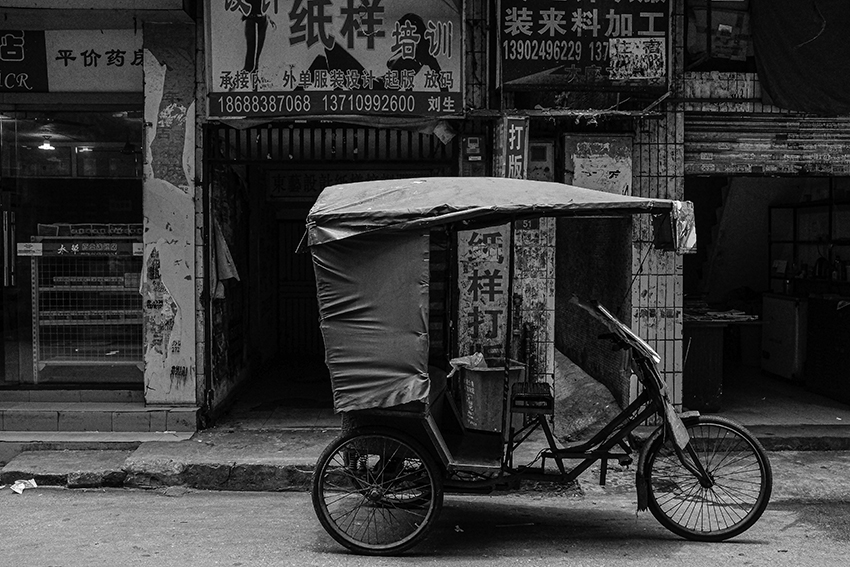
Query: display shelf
point(809, 241)
point(86, 306)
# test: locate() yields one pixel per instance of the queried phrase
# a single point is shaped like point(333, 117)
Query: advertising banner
point(334, 57)
point(33, 61)
point(591, 43)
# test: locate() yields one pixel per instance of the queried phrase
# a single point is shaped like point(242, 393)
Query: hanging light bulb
point(46, 145)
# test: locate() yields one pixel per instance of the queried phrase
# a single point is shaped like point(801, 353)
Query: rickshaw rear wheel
point(741, 481)
point(377, 491)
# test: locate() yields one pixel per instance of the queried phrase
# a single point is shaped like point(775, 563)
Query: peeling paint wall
point(658, 170)
point(168, 278)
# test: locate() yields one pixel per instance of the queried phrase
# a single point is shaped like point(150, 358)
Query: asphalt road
point(807, 524)
point(119, 527)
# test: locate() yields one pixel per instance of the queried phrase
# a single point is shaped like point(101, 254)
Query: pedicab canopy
point(370, 247)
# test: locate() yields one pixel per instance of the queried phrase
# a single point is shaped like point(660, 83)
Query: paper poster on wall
point(596, 162)
point(334, 57)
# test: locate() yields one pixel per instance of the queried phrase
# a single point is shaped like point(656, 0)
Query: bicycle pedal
point(625, 461)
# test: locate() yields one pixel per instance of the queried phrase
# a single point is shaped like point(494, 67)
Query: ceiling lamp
point(46, 145)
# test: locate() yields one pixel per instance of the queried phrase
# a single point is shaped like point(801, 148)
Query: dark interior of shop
point(71, 180)
point(763, 295)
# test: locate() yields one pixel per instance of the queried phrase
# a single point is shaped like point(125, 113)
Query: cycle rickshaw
point(378, 488)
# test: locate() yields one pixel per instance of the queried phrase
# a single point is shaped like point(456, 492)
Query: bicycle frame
point(604, 445)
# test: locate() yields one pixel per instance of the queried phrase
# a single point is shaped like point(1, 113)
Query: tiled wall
point(657, 290)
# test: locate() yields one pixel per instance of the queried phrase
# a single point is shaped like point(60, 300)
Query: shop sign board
point(583, 43)
point(334, 57)
point(511, 148)
point(74, 247)
point(35, 61)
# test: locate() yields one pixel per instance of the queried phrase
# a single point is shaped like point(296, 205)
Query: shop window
point(718, 36)
point(72, 244)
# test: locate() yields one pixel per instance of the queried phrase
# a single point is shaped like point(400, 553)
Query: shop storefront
point(71, 182)
point(72, 220)
point(409, 89)
point(98, 250)
point(362, 94)
point(770, 189)
point(593, 91)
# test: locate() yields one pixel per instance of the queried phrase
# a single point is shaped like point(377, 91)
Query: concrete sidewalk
point(214, 459)
point(237, 459)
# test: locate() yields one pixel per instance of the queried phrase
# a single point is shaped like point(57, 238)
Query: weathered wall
point(593, 262)
point(168, 280)
point(229, 310)
point(658, 171)
point(657, 289)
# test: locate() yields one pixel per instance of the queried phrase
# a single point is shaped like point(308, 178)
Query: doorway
point(746, 292)
point(300, 348)
point(277, 170)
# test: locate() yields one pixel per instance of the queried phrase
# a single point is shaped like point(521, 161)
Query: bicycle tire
point(741, 474)
point(377, 491)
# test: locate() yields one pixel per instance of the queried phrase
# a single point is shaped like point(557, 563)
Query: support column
point(168, 278)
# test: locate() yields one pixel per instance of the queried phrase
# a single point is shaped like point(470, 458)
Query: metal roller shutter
point(766, 144)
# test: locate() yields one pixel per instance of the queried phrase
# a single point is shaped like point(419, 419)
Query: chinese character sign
point(299, 57)
point(583, 42)
point(483, 290)
point(71, 61)
point(516, 147)
point(22, 62)
point(511, 148)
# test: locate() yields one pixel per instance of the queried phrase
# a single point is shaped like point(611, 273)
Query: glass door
point(72, 247)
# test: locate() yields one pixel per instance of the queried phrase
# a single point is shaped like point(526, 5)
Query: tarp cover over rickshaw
point(346, 210)
point(370, 248)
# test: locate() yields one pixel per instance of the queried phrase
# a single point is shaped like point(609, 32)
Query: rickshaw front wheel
point(736, 494)
point(377, 491)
